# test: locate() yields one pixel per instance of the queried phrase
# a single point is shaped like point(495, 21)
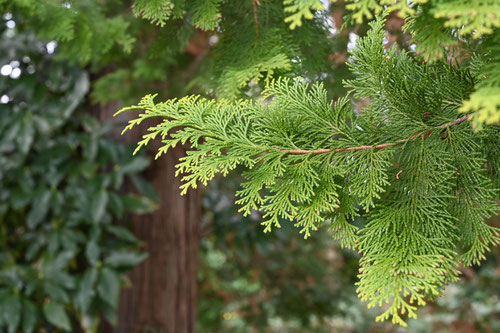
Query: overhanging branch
point(380, 146)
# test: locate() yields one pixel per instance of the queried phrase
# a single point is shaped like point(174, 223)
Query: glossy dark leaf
point(91, 148)
point(61, 278)
point(108, 287)
point(145, 188)
point(58, 263)
point(25, 136)
point(92, 252)
point(29, 317)
point(138, 204)
point(53, 243)
point(80, 89)
point(116, 205)
point(86, 291)
point(98, 205)
point(124, 259)
point(55, 292)
point(39, 209)
point(109, 313)
point(11, 311)
point(137, 164)
point(56, 315)
point(122, 233)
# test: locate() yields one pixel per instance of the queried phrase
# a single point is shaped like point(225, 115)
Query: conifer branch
point(380, 146)
point(419, 227)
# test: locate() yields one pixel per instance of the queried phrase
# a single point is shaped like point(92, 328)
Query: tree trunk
point(163, 293)
point(163, 296)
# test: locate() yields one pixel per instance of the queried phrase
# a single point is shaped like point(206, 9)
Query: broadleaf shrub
point(63, 258)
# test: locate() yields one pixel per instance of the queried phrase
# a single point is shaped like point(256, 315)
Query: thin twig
point(256, 3)
point(455, 122)
point(380, 146)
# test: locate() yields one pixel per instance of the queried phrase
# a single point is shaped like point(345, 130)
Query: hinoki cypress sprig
point(415, 168)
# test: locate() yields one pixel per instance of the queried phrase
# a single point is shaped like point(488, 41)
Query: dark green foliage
point(255, 40)
point(62, 259)
point(418, 172)
point(83, 28)
point(276, 282)
point(257, 31)
point(147, 56)
point(438, 29)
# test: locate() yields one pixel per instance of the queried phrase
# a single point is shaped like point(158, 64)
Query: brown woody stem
point(380, 146)
point(256, 4)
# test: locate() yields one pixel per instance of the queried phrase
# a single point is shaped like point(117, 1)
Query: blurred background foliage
point(65, 240)
point(63, 256)
point(279, 282)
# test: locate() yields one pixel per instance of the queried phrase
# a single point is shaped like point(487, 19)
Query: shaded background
point(94, 240)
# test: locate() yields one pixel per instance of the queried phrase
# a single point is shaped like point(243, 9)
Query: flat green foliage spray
point(415, 168)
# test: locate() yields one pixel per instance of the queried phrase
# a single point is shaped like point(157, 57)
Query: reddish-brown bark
point(163, 296)
point(163, 292)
